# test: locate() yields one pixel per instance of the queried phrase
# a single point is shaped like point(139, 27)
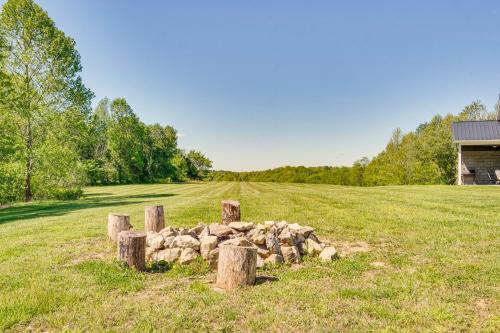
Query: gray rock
point(149, 253)
point(204, 232)
point(286, 237)
point(262, 251)
point(260, 262)
point(169, 241)
point(168, 231)
point(240, 241)
point(314, 238)
point(290, 254)
point(155, 241)
point(259, 239)
point(196, 230)
point(219, 230)
point(207, 244)
point(269, 224)
point(213, 258)
point(314, 248)
point(188, 255)
point(273, 244)
point(281, 225)
point(168, 255)
point(274, 259)
point(328, 254)
point(241, 226)
point(186, 241)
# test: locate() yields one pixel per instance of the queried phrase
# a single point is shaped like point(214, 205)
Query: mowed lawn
point(433, 262)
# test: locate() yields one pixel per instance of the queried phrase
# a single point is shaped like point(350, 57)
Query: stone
point(274, 259)
point(220, 230)
point(281, 225)
point(204, 232)
point(168, 255)
point(207, 244)
point(306, 231)
point(213, 258)
point(261, 228)
point(241, 226)
point(262, 251)
point(294, 227)
point(149, 253)
point(272, 244)
point(188, 255)
point(155, 241)
point(314, 238)
point(286, 237)
point(299, 243)
point(183, 231)
point(168, 231)
point(328, 254)
point(169, 242)
point(186, 241)
point(240, 241)
point(290, 254)
point(313, 248)
point(269, 224)
point(196, 230)
point(237, 235)
point(259, 239)
point(260, 262)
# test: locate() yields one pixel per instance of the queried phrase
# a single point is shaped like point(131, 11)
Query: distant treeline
point(426, 155)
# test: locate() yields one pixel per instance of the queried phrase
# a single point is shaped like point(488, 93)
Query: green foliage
point(50, 142)
point(424, 156)
point(40, 67)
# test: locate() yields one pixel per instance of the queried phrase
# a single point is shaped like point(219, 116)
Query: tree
point(475, 111)
point(41, 67)
point(198, 165)
point(126, 137)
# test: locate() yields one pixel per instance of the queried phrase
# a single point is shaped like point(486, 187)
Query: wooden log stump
point(154, 218)
point(116, 224)
point(132, 249)
point(236, 266)
point(230, 211)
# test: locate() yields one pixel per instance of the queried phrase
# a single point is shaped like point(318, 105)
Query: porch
point(479, 164)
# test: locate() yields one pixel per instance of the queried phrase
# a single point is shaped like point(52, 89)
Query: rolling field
point(416, 258)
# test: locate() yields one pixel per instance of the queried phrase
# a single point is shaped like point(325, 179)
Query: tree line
point(426, 155)
point(51, 141)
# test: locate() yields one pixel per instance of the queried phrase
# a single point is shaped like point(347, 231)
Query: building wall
point(481, 159)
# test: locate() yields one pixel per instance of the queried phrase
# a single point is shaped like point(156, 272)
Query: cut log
point(230, 211)
point(154, 218)
point(236, 266)
point(132, 249)
point(116, 224)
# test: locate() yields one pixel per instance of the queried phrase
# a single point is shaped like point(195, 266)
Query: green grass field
point(433, 262)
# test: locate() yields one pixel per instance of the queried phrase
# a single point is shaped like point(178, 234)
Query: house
point(478, 144)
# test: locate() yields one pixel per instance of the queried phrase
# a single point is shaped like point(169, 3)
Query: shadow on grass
point(58, 208)
point(265, 278)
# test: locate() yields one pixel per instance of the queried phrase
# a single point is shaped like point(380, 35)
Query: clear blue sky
point(260, 84)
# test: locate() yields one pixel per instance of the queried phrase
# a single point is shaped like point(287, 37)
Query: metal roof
point(476, 130)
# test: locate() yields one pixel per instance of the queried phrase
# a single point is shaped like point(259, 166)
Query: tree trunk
point(132, 249)
point(236, 266)
point(154, 218)
point(116, 224)
point(230, 211)
point(28, 195)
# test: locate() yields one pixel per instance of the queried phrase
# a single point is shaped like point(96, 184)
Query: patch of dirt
point(378, 264)
point(4, 206)
point(346, 249)
point(482, 307)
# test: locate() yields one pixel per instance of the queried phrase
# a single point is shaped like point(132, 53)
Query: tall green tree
point(41, 65)
point(126, 137)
